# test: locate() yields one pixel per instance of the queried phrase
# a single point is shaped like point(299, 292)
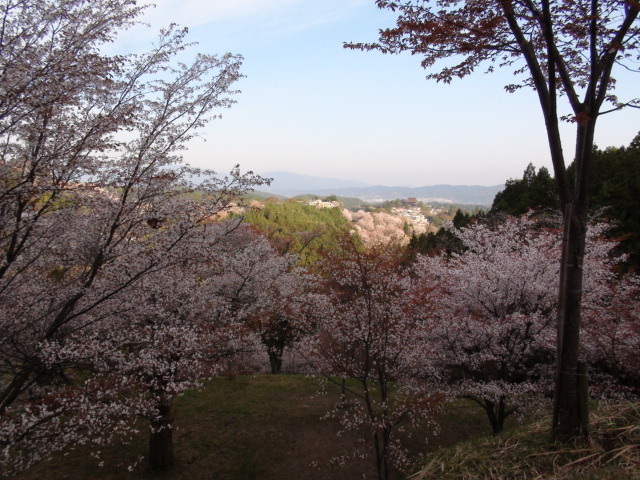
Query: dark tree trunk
point(570, 416)
point(383, 465)
point(571, 409)
point(566, 403)
point(161, 457)
point(497, 413)
point(275, 360)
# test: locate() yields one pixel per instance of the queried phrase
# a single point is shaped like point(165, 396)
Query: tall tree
point(562, 49)
point(92, 202)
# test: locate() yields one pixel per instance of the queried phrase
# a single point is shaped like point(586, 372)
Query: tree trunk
point(275, 360)
point(570, 408)
point(381, 442)
point(161, 457)
point(495, 414)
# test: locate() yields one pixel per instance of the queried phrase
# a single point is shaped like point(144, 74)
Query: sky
point(309, 106)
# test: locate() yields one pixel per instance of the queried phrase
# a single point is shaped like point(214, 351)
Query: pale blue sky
point(311, 107)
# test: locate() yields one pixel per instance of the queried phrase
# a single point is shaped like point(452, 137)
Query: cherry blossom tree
point(377, 227)
point(612, 333)
point(167, 340)
point(368, 329)
point(561, 49)
point(93, 200)
point(261, 289)
point(492, 331)
point(493, 328)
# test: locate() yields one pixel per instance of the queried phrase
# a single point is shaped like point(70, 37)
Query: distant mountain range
point(292, 184)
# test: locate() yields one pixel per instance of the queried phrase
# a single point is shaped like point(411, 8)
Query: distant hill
point(292, 184)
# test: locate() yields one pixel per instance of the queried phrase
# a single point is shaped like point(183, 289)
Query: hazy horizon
point(367, 184)
point(310, 106)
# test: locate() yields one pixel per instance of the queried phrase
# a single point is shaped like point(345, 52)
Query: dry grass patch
point(612, 453)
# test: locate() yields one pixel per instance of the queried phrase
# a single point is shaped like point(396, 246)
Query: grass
point(263, 427)
point(268, 427)
point(612, 452)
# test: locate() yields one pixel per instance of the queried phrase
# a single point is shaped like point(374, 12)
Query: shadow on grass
point(263, 427)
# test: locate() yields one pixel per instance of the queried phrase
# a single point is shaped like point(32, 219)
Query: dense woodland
point(296, 228)
point(612, 199)
point(612, 194)
point(125, 282)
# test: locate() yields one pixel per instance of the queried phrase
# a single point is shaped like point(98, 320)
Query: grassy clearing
point(612, 453)
point(268, 427)
point(252, 427)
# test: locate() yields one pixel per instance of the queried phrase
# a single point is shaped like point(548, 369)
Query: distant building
point(323, 204)
point(412, 201)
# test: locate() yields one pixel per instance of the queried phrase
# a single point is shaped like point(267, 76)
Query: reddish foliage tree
point(367, 328)
point(559, 49)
